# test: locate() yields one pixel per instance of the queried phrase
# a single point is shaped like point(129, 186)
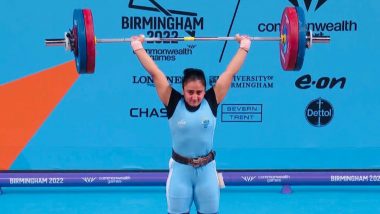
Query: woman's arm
point(160, 81)
point(223, 83)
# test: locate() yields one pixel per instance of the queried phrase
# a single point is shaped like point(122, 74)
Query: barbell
point(294, 39)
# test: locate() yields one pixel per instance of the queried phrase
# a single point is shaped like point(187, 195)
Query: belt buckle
point(197, 162)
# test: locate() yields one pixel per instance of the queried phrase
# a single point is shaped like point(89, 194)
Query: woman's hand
point(244, 40)
point(137, 41)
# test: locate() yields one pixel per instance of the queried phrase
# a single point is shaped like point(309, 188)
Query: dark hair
point(191, 74)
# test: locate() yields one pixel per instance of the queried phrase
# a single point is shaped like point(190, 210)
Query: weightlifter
point(192, 119)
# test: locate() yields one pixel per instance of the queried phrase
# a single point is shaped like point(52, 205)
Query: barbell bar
point(293, 40)
point(61, 42)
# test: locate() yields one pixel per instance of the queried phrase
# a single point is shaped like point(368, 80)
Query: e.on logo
point(306, 81)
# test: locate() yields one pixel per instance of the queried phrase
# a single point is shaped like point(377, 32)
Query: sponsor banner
point(36, 181)
point(148, 80)
point(242, 112)
point(147, 112)
point(160, 22)
point(256, 82)
point(342, 24)
point(307, 81)
point(319, 112)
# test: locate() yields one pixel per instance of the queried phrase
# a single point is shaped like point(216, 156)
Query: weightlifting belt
point(195, 162)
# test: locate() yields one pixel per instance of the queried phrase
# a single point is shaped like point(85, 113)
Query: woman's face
point(193, 92)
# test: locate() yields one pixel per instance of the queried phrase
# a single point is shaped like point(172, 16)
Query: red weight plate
point(289, 48)
point(90, 39)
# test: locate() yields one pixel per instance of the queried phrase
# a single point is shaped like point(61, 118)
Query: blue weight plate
point(81, 56)
point(302, 28)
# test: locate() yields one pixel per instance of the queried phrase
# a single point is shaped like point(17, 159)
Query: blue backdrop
point(114, 120)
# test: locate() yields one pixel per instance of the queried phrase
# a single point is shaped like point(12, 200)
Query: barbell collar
point(319, 39)
point(55, 42)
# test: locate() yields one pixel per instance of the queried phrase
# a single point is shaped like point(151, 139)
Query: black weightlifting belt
point(195, 162)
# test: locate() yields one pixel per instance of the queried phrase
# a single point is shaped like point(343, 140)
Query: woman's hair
point(192, 74)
